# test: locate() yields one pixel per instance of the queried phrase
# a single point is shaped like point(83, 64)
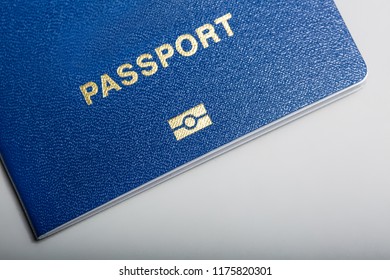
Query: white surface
point(318, 188)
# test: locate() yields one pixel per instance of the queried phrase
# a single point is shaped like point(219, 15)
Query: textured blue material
point(66, 158)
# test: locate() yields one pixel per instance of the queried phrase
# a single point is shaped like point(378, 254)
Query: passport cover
point(102, 100)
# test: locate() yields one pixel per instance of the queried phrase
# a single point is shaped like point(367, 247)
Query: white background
point(318, 188)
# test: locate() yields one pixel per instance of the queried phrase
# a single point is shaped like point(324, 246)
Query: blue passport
point(102, 100)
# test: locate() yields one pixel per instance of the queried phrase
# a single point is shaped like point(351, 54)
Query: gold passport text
point(186, 45)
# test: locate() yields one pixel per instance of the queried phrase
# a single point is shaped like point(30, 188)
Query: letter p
point(88, 90)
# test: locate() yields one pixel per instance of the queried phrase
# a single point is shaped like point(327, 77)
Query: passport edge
point(211, 155)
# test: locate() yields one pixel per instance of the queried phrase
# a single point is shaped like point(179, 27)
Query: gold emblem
point(190, 122)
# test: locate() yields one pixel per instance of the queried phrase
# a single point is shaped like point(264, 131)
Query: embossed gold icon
point(190, 122)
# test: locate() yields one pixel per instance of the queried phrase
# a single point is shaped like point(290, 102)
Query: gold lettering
point(164, 52)
point(108, 84)
point(141, 63)
point(88, 90)
point(224, 21)
point(192, 40)
point(124, 73)
point(186, 45)
point(204, 36)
